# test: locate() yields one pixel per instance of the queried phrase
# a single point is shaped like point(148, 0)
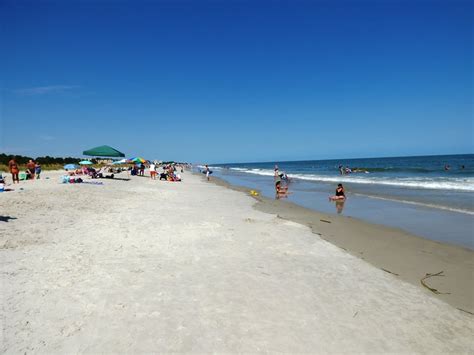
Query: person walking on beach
point(31, 168)
point(340, 195)
point(208, 172)
point(14, 170)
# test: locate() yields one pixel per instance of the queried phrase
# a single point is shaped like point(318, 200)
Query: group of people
point(281, 183)
point(170, 172)
point(138, 170)
point(281, 189)
point(448, 167)
point(32, 172)
point(346, 170)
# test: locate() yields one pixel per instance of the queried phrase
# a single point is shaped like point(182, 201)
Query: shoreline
point(405, 256)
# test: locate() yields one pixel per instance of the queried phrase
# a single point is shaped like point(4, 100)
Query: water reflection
point(340, 206)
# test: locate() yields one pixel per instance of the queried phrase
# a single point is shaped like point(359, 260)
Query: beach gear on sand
point(66, 179)
point(254, 193)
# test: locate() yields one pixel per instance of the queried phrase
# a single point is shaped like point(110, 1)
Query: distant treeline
point(47, 160)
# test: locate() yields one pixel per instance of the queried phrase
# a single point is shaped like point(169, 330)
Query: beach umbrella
point(137, 160)
point(123, 161)
point(103, 151)
point(85, 162)
point(70, 166)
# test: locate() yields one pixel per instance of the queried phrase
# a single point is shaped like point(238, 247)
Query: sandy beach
point(146, 266)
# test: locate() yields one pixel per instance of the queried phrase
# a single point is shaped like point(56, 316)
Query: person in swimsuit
point(339, 194)
point(38, 170)
point(280, 190)
point(31, 168)
point(14, 170)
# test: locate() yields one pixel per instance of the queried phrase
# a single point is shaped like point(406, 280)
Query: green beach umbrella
point(103, 151)
point(85, 162)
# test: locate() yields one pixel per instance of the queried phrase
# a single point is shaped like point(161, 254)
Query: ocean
point(430, 196)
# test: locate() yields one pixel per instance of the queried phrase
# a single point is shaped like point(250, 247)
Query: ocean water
point(417, 194)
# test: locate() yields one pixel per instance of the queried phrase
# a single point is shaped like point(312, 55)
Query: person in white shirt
point(153, 171)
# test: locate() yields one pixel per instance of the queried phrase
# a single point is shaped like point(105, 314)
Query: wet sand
point(397, 252)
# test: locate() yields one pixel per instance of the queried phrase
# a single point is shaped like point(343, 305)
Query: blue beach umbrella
point(70, 166)
point(118, 162)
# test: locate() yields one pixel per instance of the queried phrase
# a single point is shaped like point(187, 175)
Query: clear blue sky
point(237, 81)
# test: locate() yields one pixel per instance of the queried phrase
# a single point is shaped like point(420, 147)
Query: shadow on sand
point(6, 218)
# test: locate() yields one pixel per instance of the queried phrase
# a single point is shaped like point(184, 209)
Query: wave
point(409, 170)
point(210, 167)
point(459, 184)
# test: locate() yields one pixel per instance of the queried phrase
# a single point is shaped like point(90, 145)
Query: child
point(38, 170)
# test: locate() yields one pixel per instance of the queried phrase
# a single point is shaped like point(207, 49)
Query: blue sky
point(236, 81)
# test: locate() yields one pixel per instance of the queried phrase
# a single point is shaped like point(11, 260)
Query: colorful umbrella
point(70, 166)
point(137, 160)
point(85, 162)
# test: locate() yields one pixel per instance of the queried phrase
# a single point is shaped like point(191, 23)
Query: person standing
point(38, 170)
point(14, 170)
point(208, 172)
point(30, 169)
point(153, 171)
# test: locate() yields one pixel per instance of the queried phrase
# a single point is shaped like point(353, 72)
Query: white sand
point(150, 266)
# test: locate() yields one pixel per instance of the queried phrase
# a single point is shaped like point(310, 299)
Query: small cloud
point(46, 137)
point(41, 90)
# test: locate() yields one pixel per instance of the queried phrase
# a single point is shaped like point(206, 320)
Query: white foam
point(458, 184)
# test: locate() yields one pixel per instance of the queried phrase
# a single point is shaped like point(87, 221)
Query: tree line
point(46, 160)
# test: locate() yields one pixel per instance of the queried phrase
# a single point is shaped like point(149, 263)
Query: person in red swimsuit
point(14, 170)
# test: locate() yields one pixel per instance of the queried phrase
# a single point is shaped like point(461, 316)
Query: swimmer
point(281, 191)
point(340, 195)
